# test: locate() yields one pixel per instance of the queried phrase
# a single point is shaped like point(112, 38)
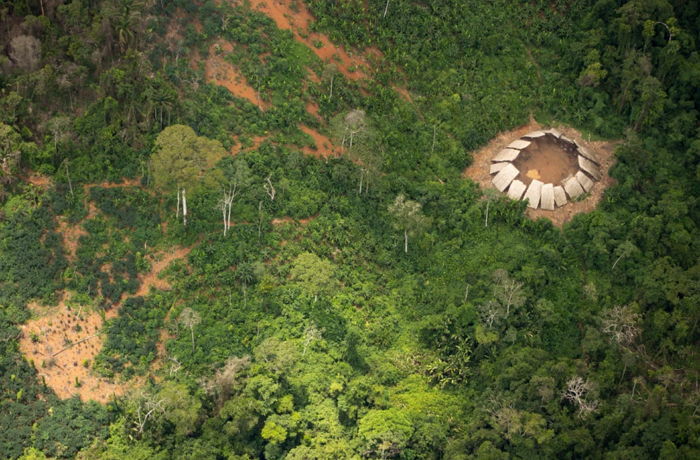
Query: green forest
point(240, 229)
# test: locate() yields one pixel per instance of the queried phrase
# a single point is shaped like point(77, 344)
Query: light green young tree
point(408, 216)
point(314, 275)
point(182, 161)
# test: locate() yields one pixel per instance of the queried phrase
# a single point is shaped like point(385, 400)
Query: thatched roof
point(533, 193)
point(547, 197)
point(506, 155)
point(495, 167)
point(566, 139)
point(588, 154)
point(559, 196)
point(573, 188)
point(516, 189)
point(519, 144)
point(505, 176)
point(588, 166)
point(584, 180)
point(535, 134)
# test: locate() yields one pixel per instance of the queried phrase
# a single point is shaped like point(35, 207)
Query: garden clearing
point(63, 341)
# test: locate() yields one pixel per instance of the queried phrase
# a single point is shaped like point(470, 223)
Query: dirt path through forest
point(478, 171)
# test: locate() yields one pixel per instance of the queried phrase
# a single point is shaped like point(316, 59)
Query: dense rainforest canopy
point(240, 229)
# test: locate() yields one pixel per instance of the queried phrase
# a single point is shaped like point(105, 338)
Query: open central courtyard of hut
point(546, 159)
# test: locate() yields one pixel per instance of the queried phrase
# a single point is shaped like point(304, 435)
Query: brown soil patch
point(313, 109)
point(324, 146)
point(478, 171)
point(288, 220)
point(257, 142)
point(403, 92)
point(124, 183)
point(546, 160)
point(39, 180)
point(70, 235)
point(219, 71)
point(294, 16)
point(46, 341)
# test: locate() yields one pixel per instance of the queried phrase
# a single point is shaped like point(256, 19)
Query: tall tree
point(182, 161)
point(312, 273)
point(408, 216)
point(236, 178)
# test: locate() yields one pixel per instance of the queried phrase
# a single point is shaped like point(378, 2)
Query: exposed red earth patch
point(219, 71)
point(312, 108)
point(294, 16)
point(63, 341)
point(257, 142)
point(324, 146)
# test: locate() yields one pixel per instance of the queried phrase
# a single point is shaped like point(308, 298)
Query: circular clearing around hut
point(533, 158)
point(547, 159)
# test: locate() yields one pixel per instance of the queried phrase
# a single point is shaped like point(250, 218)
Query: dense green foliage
point(312, 330)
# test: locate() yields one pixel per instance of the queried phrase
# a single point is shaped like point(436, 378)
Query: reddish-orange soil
point(238, 148)
point(70, 234)
point(46, 340)
point(39, 180)
point(294, 16)
point(324, 146)
point(312, 108)
point(478, 171)
point(403, 92)
point(289, 220)
point(219, 71)
point(547, 161)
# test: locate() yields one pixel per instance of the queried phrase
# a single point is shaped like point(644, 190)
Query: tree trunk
point(228, 214)
point(223, 211)
point(177, 214)
point(405, 241)
point(362, 176)
point(486, 223)
point(331, 95)
point(259, 218)
point(192, 333)
point(386, 8)
point(70, 184)
point(184, 207)
point(616, 261)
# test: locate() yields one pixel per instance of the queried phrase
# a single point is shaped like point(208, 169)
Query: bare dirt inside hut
point(546, 159)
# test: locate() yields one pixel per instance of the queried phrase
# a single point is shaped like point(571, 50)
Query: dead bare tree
point(621, 324)
point(311, 334)
point(507, 291)
point(190, 318)
point(577, 392)
point(221, 384)
point(225, 204)
point(146, 407)
point(269, 188)
point(25, 52)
